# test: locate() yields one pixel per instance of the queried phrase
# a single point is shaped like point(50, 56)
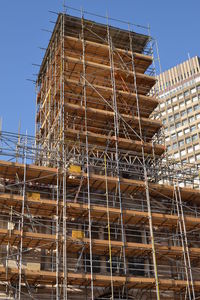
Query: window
point(191, 119)
point(180, 97)
point(176, 116)
point(189, 149)
point(186, 130)
point(188, 140)
point(194, 99)
point(193, 128)
point(183, 152)
point(194, 137)
point(168, 148)
point(196, 147)
point(191, 159)
point(164, 121)
point(189, 110)
point(193, 90)
point(172, 127)
point(162, 105)
point(197, 157)
point(180, 133)
point(184, 161)
point(96, 266)
point(167, 139)
point(168, 101)
point(176, 155)
point(183, 113)
point(184, 122)
point(196, 107)
point(174, 99)
point(188, 102)
point(177, 125)
point(136, 266)
point(181, 143)
point(176, 107)
point(182, 104)
point(197, 116)
point(173, 136)
point(170, 118)
point(169, 110)
point(186, 94)
point(115, 262)
point(174, 146)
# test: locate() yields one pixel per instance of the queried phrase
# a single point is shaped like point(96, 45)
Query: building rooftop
point(97, 32)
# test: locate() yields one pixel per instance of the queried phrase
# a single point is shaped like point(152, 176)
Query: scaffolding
point(90, 207)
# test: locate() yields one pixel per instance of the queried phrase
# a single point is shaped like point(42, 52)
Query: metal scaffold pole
point(57, 233)
point(145, 172)
point(184, 242)
point(62, 133)
point(109, 239)
point(87, 157)
point(22, 223)
point(116, 131)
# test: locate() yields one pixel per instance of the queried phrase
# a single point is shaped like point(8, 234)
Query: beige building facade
point(179, 93)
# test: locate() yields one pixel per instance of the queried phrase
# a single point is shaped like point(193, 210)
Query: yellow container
point(74, 169)
point(33, 196)
point(77, 234)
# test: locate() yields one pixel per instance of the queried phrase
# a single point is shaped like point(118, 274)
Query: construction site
point(91, 207)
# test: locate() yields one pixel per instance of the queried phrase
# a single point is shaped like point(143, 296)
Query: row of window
point(189, 149)
point(179, 88)
point(180, 78)
point(187, 130)
point(174, 136)
point(181, 105)
point(182, 114)
point(191, 159)
point(180, 96)
point(177, 125)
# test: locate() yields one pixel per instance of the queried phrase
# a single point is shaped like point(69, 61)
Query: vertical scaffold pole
point(184, 242)
point(64, 235)
point(116, 130)
point(87, 156)
point(22, 222)
point(108, 218)
point(145, 171)
point(62, 135)
point(57, 232)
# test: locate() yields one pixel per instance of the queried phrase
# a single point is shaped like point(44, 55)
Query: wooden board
point(47, 208)
point(77, 279)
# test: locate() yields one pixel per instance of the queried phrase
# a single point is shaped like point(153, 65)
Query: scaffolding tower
point(90, 209)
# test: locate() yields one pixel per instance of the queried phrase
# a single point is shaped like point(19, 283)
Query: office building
point(179, 92)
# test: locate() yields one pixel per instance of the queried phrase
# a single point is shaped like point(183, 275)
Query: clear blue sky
point(174, 23)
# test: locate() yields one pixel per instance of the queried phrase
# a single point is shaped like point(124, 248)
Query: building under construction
point(90, 207)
